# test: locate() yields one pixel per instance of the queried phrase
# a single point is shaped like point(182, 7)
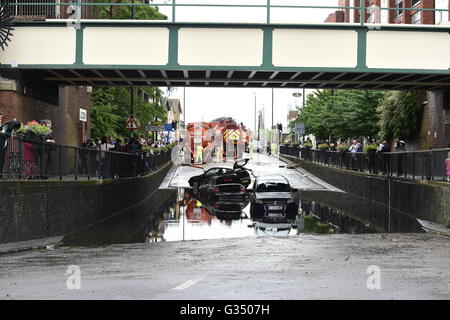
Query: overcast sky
point(205, 104)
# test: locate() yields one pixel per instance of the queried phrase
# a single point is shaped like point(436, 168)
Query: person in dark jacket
point(385, 158)
point(47, 155)
point(6, 131)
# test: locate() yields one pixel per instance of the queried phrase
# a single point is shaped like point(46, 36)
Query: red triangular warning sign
point(131, 124)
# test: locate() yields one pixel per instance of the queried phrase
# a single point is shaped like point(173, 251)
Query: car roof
point(274, 178)
point(220, 168)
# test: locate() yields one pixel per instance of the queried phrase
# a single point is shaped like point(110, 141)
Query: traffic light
point(279, 127)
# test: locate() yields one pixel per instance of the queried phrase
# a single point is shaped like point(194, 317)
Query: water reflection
point(351, 214)
point(278, 229)
point(174, 215)
point(193, 218)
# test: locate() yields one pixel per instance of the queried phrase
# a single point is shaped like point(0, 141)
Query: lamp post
point(298, 95)
point(271, 126)
point(255, 110)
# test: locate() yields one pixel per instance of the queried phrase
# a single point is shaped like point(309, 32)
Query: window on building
point(399, 6)
point(414, 2)
point(415, 18)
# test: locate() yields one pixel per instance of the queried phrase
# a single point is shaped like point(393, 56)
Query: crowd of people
point(114, 165)
point(378, 157)
point(129, 145)
point(36, 155)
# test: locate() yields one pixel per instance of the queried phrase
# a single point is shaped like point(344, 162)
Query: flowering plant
point(34, 127)
point(343, 147)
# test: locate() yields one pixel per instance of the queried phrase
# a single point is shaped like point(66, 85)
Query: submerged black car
point(238, 169)
point(223, 187)
point(273, 199)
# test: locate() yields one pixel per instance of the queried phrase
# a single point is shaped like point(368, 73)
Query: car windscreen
point(273, 187)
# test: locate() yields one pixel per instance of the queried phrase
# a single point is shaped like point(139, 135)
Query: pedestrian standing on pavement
point(104, 158)
point(6, 131)
point(400, 148)
point(385, 158)
point(353, 149)
point(47, 149)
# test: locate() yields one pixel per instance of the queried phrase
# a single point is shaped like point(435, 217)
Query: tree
point(105, 116)
point(111, 108)
point(341, 113)
point(126, 12)
point(400, 113)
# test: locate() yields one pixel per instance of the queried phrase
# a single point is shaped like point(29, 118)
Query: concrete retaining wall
point(38, 209)
point(427, 200)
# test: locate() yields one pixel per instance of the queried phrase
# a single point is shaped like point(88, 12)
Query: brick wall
point(426, 17)
point(67, 127)
point(439, 131)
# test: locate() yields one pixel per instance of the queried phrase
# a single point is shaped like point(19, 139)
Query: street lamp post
point(298, 95)
point(255, 110)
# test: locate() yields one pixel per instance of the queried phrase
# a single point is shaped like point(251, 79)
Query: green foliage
point(34, 127)
point(126, 12)
point(308, 144)
point(341, 113)
point(369, 147)
point(110, 110)
point(400, 113)
point(324, 146)
point(105, 113)
point(343, 147)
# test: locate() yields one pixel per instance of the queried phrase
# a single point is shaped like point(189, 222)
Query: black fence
point(422, 165)
point(31, 160)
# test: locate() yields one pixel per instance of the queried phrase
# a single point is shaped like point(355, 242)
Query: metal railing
point(415, 165)
point(26, 160)
point(265, 9)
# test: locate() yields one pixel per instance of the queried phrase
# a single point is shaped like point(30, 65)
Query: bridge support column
point(434, 131)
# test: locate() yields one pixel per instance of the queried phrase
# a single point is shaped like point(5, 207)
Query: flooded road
point(182, 215)
point(192, 219)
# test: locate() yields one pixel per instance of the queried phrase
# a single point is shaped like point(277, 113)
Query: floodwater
point(182, 216)
point(191, 219)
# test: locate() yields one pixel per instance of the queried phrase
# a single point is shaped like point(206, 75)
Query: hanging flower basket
point(33, 131)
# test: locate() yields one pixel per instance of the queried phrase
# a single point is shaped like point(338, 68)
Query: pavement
point(43, 243)
point(406, 266)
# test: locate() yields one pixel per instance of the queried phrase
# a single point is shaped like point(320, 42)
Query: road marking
point(185, 285)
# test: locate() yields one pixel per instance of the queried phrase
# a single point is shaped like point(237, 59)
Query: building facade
point(396, 14)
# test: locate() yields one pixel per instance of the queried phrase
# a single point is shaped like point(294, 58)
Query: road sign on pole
point(299, 128)
point(131, 124)
point(168, 127)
